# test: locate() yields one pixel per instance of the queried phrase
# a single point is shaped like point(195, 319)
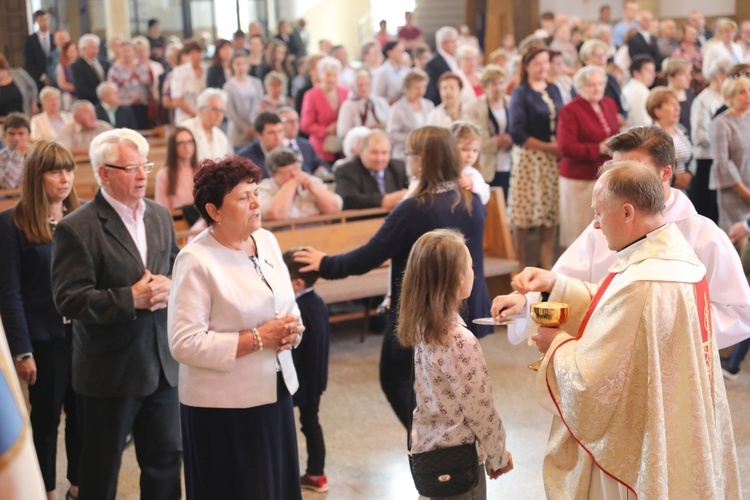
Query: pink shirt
point(317, 115)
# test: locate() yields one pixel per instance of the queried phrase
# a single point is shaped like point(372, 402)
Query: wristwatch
point(23, 357)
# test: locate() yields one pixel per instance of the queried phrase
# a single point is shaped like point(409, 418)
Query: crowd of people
point(259, 126)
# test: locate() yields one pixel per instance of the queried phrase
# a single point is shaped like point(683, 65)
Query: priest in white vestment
point(634, 380)
point(589, 257)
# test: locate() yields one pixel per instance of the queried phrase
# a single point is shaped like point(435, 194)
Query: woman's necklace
point(216, 237)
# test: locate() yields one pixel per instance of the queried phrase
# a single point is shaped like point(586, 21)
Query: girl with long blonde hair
point(451, 382)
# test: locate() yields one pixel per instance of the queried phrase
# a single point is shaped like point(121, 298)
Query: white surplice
point(589, 257)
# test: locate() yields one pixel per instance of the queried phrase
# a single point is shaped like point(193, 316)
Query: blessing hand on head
point(311, 257)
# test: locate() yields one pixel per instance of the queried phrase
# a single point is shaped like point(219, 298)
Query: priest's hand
point(508, 305)
point(545, 336)
point(534, 279)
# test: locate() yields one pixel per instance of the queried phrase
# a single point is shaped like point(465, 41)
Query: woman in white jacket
point(47, 124)
point(232, 321)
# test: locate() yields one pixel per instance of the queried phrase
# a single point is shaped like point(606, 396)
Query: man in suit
point(269, 133)
point(37, 50)
point(698, 21)
point(444, 61)
point(311, 162)
point(643, 42)
point(88, 71)
point(372, 179)
point(111, 262)
point(109, 109)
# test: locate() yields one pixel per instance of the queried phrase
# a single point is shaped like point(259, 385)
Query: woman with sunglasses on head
point(40, 340)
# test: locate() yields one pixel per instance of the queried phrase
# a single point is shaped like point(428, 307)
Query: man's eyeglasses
point(132, 169)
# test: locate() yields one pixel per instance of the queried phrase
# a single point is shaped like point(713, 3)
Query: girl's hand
point(311, 257)
point(465, 183)
point(494, 474)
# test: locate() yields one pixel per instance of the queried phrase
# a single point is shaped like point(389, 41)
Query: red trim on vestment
point(602, 288)
point(595, 302)
point(703, 301)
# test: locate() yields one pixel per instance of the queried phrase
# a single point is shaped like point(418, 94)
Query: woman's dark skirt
point(243, 453)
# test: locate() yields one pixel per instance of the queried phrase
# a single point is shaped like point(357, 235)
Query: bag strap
point(411, 413)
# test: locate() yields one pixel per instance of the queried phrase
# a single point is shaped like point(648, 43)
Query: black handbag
point(443, 472)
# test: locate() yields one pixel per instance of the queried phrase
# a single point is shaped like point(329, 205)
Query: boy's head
point(300, 281)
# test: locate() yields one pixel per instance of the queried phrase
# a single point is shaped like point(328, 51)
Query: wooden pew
point(9, 198)
point(334, 234)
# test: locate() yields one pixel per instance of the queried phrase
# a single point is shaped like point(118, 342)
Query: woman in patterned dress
point(133, 79)
point(533, 201)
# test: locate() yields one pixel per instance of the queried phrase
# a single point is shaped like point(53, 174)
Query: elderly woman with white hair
point(468, 59)
point(275, 83)
point(210, 141)
point(702, 112)
point(594, 53)
point(362, 109)
point(47, 124)
point(584, 126)
point(730, 149)
point(133, 79)
point(320, 109)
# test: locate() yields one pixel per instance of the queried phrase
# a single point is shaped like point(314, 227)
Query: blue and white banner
point(20, 477)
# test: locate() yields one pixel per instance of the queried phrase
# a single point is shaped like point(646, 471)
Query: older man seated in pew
point(77, 136)
point(290, 192)
point(109, 109)
point(372, 178)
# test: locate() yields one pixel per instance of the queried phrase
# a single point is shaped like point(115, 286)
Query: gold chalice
point(551, 314)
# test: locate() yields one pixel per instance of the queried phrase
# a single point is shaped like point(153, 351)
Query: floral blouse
point(133, 84)
point(454, 398)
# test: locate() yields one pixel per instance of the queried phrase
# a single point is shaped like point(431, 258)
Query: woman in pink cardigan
point(320, 108)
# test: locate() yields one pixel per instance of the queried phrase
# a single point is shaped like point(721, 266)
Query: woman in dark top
point(438, 202)
point(17, 90)
point(533, 200)
point(220, 71)
point(38, 337)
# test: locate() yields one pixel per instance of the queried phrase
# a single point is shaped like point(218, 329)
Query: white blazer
point(216, 292)
point(42, 129)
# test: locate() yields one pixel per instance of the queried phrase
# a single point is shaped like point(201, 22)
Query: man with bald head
point(372, 178)
point(77, 136)
point(636, 369)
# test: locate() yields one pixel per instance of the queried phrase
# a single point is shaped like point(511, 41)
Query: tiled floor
point(366, 457)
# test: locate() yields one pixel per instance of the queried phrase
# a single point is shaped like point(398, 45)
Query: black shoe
point(728, 372)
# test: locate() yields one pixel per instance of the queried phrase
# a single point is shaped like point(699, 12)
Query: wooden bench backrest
point(497, 238)
point(9, 198)
point(332, 239)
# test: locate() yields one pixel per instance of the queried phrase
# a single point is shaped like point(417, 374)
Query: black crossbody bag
point(442, 472)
